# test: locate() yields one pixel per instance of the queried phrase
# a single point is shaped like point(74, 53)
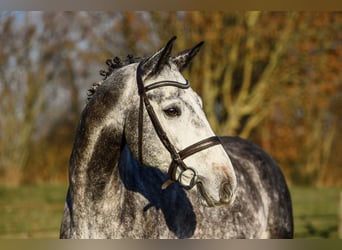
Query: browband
point(167, 83)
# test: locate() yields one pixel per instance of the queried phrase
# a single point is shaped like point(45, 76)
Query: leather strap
point(167, 83)
point(177, 157)
point(157, 126)
point(199, 146)
point(140, 130)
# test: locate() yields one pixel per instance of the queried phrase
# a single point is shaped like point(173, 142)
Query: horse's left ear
point(154, 64)
point(183, 59)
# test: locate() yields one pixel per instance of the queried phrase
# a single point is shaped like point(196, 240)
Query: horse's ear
point(183, 59)
point(154, 64)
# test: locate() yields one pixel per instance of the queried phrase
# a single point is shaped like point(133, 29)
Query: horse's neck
point(95, 157)
point(169, 213)
point(127, 202)
point(114, 198)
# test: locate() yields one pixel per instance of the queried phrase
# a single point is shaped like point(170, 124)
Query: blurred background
point(274, 78)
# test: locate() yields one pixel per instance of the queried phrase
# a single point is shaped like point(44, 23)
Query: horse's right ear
point(183, 59)
point(154, 64)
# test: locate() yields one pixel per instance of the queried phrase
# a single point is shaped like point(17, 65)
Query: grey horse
point(146, 164)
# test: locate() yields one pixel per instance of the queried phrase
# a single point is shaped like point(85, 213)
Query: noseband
point(177, 156)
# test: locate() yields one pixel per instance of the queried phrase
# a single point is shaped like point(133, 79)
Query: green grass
point(31, 211)
point(36, 211)
point(316, 212)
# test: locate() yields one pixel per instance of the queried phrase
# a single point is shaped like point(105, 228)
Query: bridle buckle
point(187, 178)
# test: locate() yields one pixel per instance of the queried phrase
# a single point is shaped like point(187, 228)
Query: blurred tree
point(273, 77)
point(40, 67)
point(22, 94)
point(73, 46)
point(305, 121)
point(249, 61)
point(239, 57)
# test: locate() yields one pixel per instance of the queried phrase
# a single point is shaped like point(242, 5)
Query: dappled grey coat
point(112, 195)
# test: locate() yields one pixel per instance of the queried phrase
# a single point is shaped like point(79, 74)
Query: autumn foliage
point(272, 77)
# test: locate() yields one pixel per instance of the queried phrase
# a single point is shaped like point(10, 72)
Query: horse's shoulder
point(244, 151)
point(244, 148)
point(252, 166)
point(252, 162)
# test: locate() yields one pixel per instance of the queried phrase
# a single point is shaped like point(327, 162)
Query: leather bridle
point(177, 156)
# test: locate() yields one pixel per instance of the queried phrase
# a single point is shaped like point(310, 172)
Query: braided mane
point(112, 65)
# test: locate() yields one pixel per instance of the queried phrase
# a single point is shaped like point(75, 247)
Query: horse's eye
point(172, 112)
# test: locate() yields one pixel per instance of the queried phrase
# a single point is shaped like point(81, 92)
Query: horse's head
point(167, 128)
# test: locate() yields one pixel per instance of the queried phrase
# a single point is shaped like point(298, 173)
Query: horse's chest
point(140, 219)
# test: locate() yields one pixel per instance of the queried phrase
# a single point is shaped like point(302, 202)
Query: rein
point(177, 156)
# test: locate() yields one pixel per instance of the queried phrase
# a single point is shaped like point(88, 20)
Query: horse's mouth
point(205, 198)
point(209, 201)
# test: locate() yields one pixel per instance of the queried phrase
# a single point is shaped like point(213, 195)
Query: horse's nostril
point(226, 193)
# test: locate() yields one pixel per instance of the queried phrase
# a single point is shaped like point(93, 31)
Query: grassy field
point(36, 211)
point(316, 212)
point(31, 211)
